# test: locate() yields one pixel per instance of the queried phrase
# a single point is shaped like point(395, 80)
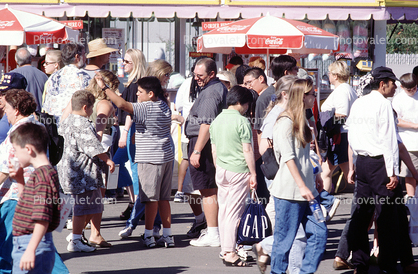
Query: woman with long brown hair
point(294, 187)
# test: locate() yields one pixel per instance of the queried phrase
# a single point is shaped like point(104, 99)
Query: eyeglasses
point(49, 63)
point(201, 77)
point(127, 62)
point(167, 75)
point(248, 83)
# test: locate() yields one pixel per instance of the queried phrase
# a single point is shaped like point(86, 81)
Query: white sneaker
point(69, 237)
point(167, 241)
point(179, 197)
point(205, 240)
point(156, 232)
point(149, 241)
point(333, 209)
point(324, 211)
point(243, 254)
point(126, 232)
point(79, 246)
point(70, 224)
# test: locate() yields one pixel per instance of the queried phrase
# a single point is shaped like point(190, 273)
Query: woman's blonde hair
point(283, 85)
point(56, 56)
point(230, 76)
point(159, 68)
point(109, 78)
point(139, 65)
point(340, 69)
point(258, 62)
point(295, 110)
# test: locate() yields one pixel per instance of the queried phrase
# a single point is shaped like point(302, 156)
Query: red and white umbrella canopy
point(268, 32)
point(18, 27)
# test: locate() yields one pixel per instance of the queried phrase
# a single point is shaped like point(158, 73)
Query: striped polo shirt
point(152, 136)
point(39, 202)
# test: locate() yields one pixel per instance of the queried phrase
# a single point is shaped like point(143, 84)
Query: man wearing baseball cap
point(373, 139)
point(98, 56)
point(11, 80)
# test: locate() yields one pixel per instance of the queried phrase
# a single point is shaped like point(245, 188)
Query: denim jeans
point(289, 216)
point(7, 210)
point(122, 156)
point(298, 247)
point(137, 212)
point(45, 253)
point(326, 199)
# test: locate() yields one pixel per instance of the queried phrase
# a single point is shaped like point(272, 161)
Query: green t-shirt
point(228, 132)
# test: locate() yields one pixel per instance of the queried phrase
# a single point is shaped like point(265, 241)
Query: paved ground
point(130, 256)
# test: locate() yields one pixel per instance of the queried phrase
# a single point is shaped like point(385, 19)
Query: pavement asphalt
point(128, 256)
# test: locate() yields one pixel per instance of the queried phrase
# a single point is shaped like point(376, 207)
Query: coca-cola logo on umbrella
point(274, 41)
point(309, 29)
point(233, 28)
point(4, 24)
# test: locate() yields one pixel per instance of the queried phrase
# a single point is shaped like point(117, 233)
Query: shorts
point(204, 176)
point(188, 185)
point(184, 155)
point(44, 254)
point(89, 202)
point(340, 153)
point(155, 181)
point(404, 169)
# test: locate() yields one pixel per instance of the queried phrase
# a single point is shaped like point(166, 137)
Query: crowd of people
point(229, 119)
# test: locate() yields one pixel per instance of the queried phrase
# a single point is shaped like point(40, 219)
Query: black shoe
point(194, 231)
point(127, 213)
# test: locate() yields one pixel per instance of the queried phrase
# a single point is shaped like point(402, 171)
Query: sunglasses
point(49, 63)
point(127, 62)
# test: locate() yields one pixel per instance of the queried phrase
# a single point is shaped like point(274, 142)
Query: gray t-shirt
point(211, 101)
point(36, 82)
point(260, 106)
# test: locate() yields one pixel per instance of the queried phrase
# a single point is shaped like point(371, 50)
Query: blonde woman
point(294, 186)
point(339, 102)
point(53, 62)
point(134, 64)
point(160, 69)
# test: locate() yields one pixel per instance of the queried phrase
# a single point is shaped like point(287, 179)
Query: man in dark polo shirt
point(211, 101)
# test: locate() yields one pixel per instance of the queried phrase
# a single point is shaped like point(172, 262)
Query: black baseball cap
point(384, 72)
point(12, 80)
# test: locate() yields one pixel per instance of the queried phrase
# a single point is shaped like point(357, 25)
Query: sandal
point(127, 213)
point(238, 262)
point(262, 259)
point(101, 244)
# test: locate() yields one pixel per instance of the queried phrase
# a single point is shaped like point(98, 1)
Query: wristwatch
point(105, 87)
point(196, 152)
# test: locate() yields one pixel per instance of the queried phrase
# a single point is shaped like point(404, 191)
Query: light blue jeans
point(7, 210)
point(289, 216)
point(45, 253)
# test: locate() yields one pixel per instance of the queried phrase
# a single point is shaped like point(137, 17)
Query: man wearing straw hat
point(98, 56)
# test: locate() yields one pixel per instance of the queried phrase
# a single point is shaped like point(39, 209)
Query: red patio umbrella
point(268, 35)
point(20, 27)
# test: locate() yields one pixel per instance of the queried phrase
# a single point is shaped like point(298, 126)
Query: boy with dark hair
point(37, 212)
point(79, 169)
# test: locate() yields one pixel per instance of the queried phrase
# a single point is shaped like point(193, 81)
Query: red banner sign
point(214, 25)
point(75, 24)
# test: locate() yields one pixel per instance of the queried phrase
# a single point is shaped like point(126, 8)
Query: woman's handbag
point(254, 225)
point(269, 167)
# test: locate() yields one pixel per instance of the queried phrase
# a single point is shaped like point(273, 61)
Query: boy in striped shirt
point(37, 212)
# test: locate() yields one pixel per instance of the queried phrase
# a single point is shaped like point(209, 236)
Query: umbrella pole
point(6, 69)
point(268, 62)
